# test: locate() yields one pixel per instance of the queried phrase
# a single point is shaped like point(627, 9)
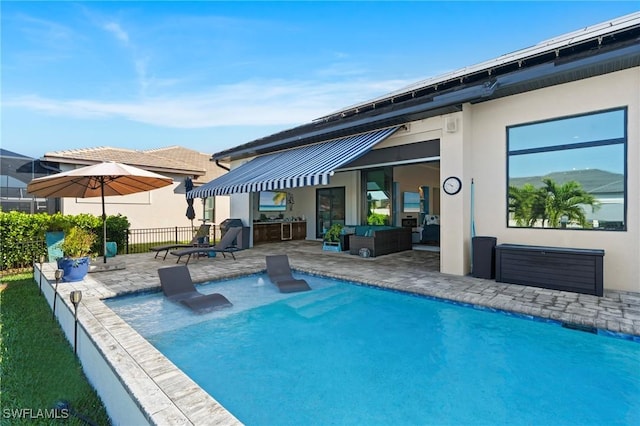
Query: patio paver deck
point(414, 271)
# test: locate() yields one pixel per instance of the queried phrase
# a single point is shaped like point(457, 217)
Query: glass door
point(377, 185)
point(330, 209)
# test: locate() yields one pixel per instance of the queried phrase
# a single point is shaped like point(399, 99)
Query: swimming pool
point(348, 354)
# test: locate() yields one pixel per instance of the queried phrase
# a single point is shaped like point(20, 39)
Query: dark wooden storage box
point(577, 270)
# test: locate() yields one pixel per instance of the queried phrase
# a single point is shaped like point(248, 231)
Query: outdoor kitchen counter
point(279, 231)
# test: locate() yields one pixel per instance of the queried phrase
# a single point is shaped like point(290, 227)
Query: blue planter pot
point(331, 246)
point(74, 269)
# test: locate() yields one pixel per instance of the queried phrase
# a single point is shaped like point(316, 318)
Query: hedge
point(22, 235)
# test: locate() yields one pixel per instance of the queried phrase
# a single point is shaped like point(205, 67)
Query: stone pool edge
point(136, 383)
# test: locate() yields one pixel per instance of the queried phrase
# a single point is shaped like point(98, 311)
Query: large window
point(569, 172)
point(209, 209)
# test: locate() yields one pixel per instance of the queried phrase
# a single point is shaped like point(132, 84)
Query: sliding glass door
point(330, 208)
point(377, 187)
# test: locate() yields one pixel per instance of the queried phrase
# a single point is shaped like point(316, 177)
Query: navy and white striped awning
point(303, 166)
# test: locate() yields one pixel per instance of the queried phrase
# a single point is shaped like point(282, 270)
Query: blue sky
point(211, 75)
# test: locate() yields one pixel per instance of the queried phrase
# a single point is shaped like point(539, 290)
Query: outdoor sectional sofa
point(380, 240)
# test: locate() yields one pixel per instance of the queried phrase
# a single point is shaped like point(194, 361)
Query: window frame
point(565, 147)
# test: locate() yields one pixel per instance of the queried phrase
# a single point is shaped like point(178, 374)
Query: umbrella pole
point(104, 223)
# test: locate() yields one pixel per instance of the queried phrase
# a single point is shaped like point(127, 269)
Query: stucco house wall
point(160, 208)
point(488, 167)
point(164, 207)
point(477, 150)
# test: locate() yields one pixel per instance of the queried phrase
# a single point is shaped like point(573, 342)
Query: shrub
point(377, 219)
point(22, 235)
point(77, 242)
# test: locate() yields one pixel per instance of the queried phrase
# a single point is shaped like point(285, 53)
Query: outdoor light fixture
point(76, 297)
point(59, 274)
point(41, 273)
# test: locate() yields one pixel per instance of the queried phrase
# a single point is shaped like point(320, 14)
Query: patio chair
point(178, 287)
point(280, 274)
point(203, 231)
point(225, 245)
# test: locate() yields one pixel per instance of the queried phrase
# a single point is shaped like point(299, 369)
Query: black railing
point(140, 240)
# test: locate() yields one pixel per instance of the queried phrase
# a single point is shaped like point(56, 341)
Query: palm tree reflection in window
point(551, 206)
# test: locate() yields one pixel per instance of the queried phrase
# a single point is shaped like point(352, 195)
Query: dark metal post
point(41, 273)
point(104, 222)
point(76, 297)
point(59, 275)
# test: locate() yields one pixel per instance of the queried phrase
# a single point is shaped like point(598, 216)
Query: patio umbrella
point(191, 213)
point(98, 180)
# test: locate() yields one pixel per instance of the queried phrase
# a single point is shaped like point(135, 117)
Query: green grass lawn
point(37, 364)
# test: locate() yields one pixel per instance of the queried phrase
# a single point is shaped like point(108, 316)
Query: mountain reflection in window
point(568, 173)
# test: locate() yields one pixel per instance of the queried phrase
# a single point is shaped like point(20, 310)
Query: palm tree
point(566, 200)
point(279, 198)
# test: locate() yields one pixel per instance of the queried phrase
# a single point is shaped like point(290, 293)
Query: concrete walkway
point(413, 271)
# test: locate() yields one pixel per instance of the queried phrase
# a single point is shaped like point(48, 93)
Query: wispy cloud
point(115, 29)
point(139, 61)
point(41, 30)
point(247, 103)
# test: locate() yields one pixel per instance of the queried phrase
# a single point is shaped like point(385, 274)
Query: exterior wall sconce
point(75, 297)
point(59, 274)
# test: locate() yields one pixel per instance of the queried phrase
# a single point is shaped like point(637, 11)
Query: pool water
point(347, 354)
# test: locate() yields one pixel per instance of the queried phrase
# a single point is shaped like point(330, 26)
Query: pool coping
point(161, 392)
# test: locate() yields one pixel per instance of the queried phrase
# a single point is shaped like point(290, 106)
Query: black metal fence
point(25, 253)
point(140, 240)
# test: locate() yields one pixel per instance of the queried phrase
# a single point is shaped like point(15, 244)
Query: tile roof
point(175, 160)
point(195, 158)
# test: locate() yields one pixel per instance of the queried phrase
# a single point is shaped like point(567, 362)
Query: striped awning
point(303, 166)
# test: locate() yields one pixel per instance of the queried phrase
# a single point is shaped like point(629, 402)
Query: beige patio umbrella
point(98, 180)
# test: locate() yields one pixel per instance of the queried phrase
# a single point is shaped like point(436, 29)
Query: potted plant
point(332, 238)
point(76, 247)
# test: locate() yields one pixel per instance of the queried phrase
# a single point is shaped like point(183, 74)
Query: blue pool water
point(347, 354)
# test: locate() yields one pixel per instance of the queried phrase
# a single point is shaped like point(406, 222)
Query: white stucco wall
point(488, 168)
point(158, 208)
point(163, 207)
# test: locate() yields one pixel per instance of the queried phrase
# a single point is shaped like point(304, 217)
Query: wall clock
point(452, 185)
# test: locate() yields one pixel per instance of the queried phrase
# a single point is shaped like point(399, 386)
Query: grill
point(242, 240)
point(229, 223)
